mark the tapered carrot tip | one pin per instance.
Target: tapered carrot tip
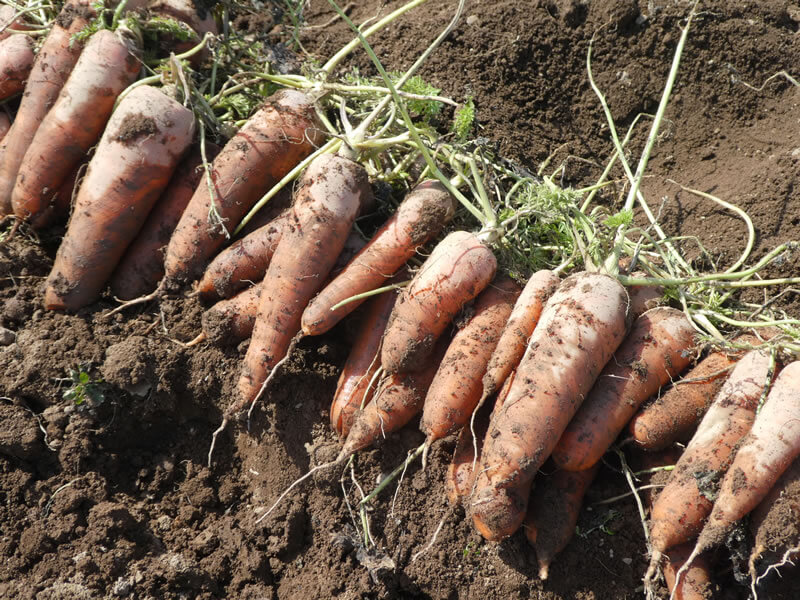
(498, 512)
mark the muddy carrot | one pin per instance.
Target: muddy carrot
(16, 61)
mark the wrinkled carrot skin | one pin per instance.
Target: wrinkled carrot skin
(361, 365)
(106, 66)
(54, 62)
(277, 137)
(458, 269)
(656, 350)
(418, 219)
(697, 583)
(398, 400)
(327, 202)
(231, 320)
(245, 260)
(765, 453)
(675, 413)
(460, 477)
(681, 508)
(457, 386)
(143, 143)
(553, 512)
(16, 61)
(142, 266)
(519, 328)
(775, 522)
(581, 326)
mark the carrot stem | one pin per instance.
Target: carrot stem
(412, 455)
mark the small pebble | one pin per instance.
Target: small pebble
(7, 337)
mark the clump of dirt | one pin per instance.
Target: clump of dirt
(134, 126)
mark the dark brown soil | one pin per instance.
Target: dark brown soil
(115, 499)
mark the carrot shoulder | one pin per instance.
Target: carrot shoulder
(656, 350)
(107, 65)
(457, 270)
(457, 387)
(418, 219)
(327, 202)
(143, 143)
(277, 137)
(54, 62)
(581, 326)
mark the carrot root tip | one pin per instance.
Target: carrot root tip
(544, 571)
(214, 435)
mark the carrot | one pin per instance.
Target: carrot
(107, 65)
(398, 400)
(697, 585)
(269, 213)
(460, 477)
(580, 328)
(457, 270)
(59, 208)
(644, 297)
(231, 320)
(134, 161)
(673, 415)
(353, 388)
(327, 202)
(193, 15)
(553, 513)
(418, 219)
(54, 62)
(16, 61)
(656, 350)
(142, 266)
(519, 328)
(679, 511)
(765, 453)
(245, 260)
(775, 523)
(278, 136)
(456, 388)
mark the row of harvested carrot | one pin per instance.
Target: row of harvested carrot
(570, 371)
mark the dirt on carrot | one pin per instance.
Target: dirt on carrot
(139, 462)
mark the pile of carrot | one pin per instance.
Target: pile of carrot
(553, 373)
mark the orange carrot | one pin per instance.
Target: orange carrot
(231, 320)
(460, 477)
(553, 513)
(277, 137)
(580, 328)
(134, 161)
(195, 15)
(398, 400)
(418, 219)
(457, 270)
(656, 350)
(765, 453)
(674, 414)
(327, 202)
(54, 62)
(59, 208)
(142, 266)
(519, 328)
(245, 260)
(697, 585)
(353, 388)
(107, 65)
(682, 507)
(16, 61)
(456, 388)
(644, 297)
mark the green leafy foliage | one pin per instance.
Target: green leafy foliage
(463, 120)
(84, 391)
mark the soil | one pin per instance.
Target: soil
(113, 498)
